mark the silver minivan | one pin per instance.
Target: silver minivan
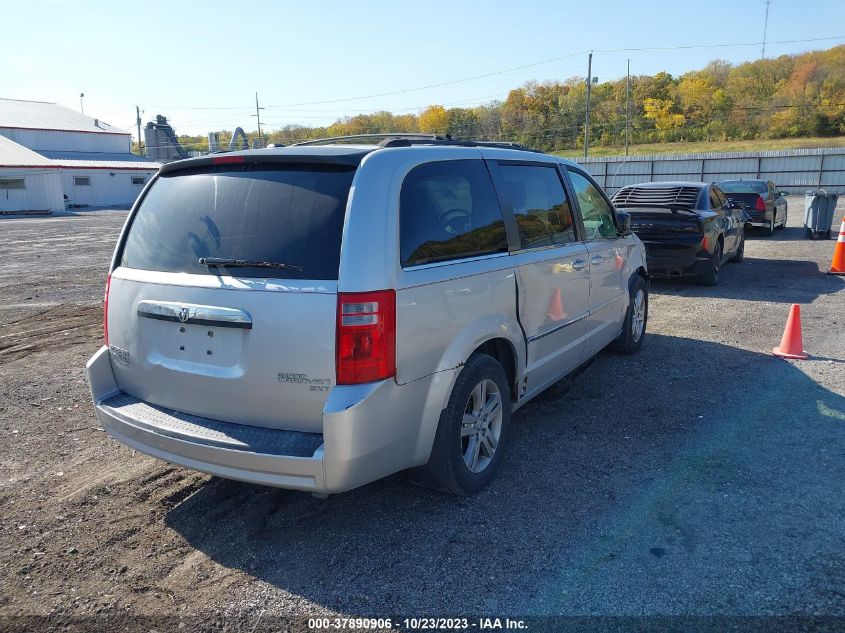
(322, 315)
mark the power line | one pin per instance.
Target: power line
(513, 69)
(727, 45)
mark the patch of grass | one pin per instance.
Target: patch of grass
(712, 146)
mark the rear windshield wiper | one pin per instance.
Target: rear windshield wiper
(245, 263)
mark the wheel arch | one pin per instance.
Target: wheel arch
(503, 351)
(493, 334)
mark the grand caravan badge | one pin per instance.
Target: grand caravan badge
(314, 384)
(120, 356)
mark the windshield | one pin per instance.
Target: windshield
(744, 186)
(290, 214)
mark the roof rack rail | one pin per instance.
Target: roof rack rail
(406, 139)
(361, 137)
(407, 142)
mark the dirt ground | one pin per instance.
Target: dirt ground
(701, 477)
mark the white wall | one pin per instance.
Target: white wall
(43, 190)
(108, 186)
(69, 141)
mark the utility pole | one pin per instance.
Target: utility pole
(138, 123)
(81, 109)
(765, 28)
(587, 110)
(627, 106)
(257, 116)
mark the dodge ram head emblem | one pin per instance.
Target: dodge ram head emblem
(184, 314)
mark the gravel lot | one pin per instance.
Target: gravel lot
(700, 477)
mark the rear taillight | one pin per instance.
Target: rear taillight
(760, 205)
(366, 336)
(106, 311)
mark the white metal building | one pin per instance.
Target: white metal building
(49, 152)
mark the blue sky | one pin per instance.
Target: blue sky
(200, 63)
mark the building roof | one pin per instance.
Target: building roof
(97, 159)
(16, 155)
(41, 115)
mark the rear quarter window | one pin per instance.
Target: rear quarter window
(290, 214)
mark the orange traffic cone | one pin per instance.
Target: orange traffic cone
(556, 312)
(791, 345)
(837, 266)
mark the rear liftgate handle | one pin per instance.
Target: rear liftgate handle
(195, 314)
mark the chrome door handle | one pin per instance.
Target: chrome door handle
(597, 259)
(578, 264)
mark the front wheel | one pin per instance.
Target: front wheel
(630, 339)
(473, 430)
(772, 224)
(783, 221)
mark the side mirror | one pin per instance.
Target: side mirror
(783, 193)
(623, 223)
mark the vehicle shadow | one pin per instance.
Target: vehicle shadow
(703, 497)
(759, 279)
(780, 234)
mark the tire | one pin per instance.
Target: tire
(740, 251)
(772, 224)
(785, 216)
(461, 460)
(711, 277)
(630, 340)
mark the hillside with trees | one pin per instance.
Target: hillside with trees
(785, 97)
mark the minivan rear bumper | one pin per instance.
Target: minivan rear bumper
(361, 441)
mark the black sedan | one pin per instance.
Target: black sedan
(765, 205)
(689, 228)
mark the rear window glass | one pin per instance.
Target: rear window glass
(286, 214)
(744, 186)
(449, 210)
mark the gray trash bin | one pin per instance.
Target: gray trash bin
(819, 206)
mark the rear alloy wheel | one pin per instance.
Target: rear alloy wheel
(472, 431)
(630, 339)
(711, 277)
(481, 426)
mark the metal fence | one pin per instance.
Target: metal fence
(793, 171)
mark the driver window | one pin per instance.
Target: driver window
(449, 210)
(596, 212)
